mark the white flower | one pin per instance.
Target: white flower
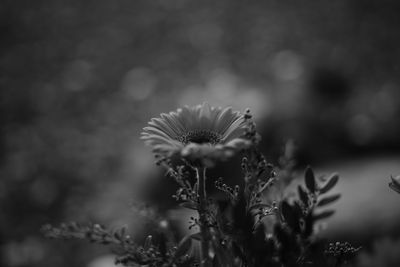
(200, 134)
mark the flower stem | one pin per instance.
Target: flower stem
(201, 179)
(205, 260)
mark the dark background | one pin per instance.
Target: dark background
(80, 79)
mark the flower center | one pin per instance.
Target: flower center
(200, 137)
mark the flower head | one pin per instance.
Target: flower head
(200, 133)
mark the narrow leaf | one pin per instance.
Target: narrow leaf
(328, 200)
(148, 242)
(183, 247)
(394, 187)
(189, 205)
(323, 215)
(260, 206)
(286, 210)
(195, 187)
(117, 234)
(332, 181)
(310, 179)
(394, 184)
(302, 195)
(196, 236)
(308, 225)
(290, 215)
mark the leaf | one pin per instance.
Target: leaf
(394, 184)
(297, 209)
(330, 184)
(394, 187)
(286, 210)
(308, 225)
(302, 195)
(195, 187)
(183, 246)
(222, 257)
(310, 179)
(189, 205)
(282, 236)
(324, 215)
(328, 200)
(148, 242)
(120, 232)
(260, 206)
(162, 243)
(196, 236)
(290, 215)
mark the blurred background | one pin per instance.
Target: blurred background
(80, 79)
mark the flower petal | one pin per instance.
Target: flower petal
(162, 125)
(199, 133)
(236, 129)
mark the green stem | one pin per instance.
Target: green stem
(205, 260)
(201, 179)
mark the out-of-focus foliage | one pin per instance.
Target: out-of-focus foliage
(78, 80)
(384, 252)
(395, 183)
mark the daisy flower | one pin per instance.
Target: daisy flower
(201, 134)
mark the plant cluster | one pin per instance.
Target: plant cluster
(247, 227)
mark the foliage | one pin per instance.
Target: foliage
(243, 229)
(395, 183)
